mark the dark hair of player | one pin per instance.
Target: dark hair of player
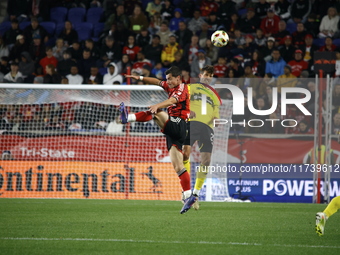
(208, 69)
(174, 71)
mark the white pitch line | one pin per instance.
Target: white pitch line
(167, 242)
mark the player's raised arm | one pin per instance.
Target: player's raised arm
(148, 80)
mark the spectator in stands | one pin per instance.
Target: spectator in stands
(329, 46)
(257, 63)
(37, 49)
(118, 16)
(111, 51)
(235, 64)
(55, 123)
(58, 49)
(220, 69)
(18, 9)
(270, 24)
(153, 7)
(69, 35)
(308, 49)
(300, 10)
(89, 44)
(146, 72)
(169, 50)
(267, 51)
(187, 7)
(26, 67)
(143, 39)
(131, 49)
(312, 25)
(299, 35)
(276, 65)
(14, 76)
(196, 22)
(154, 50)
(298, 64)
(183, 34)
(19, 46)
(336, 96)
(164, 33)
(261, 9)
(274, 126)
(191, 50)
(141, 61)
(159, 71)
(231, 78)
(213, 22)
(198, 63)
(36, 124)
(231, 24)
(304, 128)
(10, 36)
(174, 22)
(4, 52)
(248, 80)
(203, 34)
(287, 79)
(4, 65)
(123, 64)
(211, 50)
(186, 76)
(138, 20)
(208, 6)
(226, 9)
(281, 33)
(51, 77)
(112, 75)
(167, 10)
(74, 77)
(49, 59)
(86, 63)
(34, 30)
(336, 124)
(95, 77)
(281, 9)
(287, 49)
(259, 39)
(180, 61)
(250, 22)
(64, 66)
(329, 23)
(75, 51)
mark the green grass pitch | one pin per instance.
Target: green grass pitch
(63, 226)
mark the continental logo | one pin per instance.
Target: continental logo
(325, 62)
(98, 180)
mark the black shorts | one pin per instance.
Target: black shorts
(202, 133)
(175, 130)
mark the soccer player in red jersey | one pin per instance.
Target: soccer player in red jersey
(172, 124)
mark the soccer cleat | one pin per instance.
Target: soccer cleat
(320, 223)
(196, 205)
(123, 114)
(188, 202)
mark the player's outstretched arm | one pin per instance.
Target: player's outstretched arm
(148, 80)
(164, 104)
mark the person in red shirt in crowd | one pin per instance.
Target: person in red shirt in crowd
(298, 64)
(49, 59)
(131, 49)
(208, 6)
(141, 61)
(329, 46)
(191, 50)
(304, 128)
(270, 24)
(186, 75)
(299, 35)
(282, 33)
(221, 67)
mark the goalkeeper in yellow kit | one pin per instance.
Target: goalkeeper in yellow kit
(322, 217)
(200, 126)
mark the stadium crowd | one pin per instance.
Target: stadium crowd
(98, 41)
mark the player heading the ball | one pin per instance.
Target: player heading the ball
(172, 124)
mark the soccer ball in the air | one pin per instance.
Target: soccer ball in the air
(220, 38)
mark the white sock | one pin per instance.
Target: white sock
(131, 118)
(187, 194)
(196, 192)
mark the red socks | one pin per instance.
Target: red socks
(185, 180)
(143, 116)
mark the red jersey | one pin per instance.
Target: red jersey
(298, 67)
(131, 52)
(220, 70)
(181, 93)
(207, 7)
